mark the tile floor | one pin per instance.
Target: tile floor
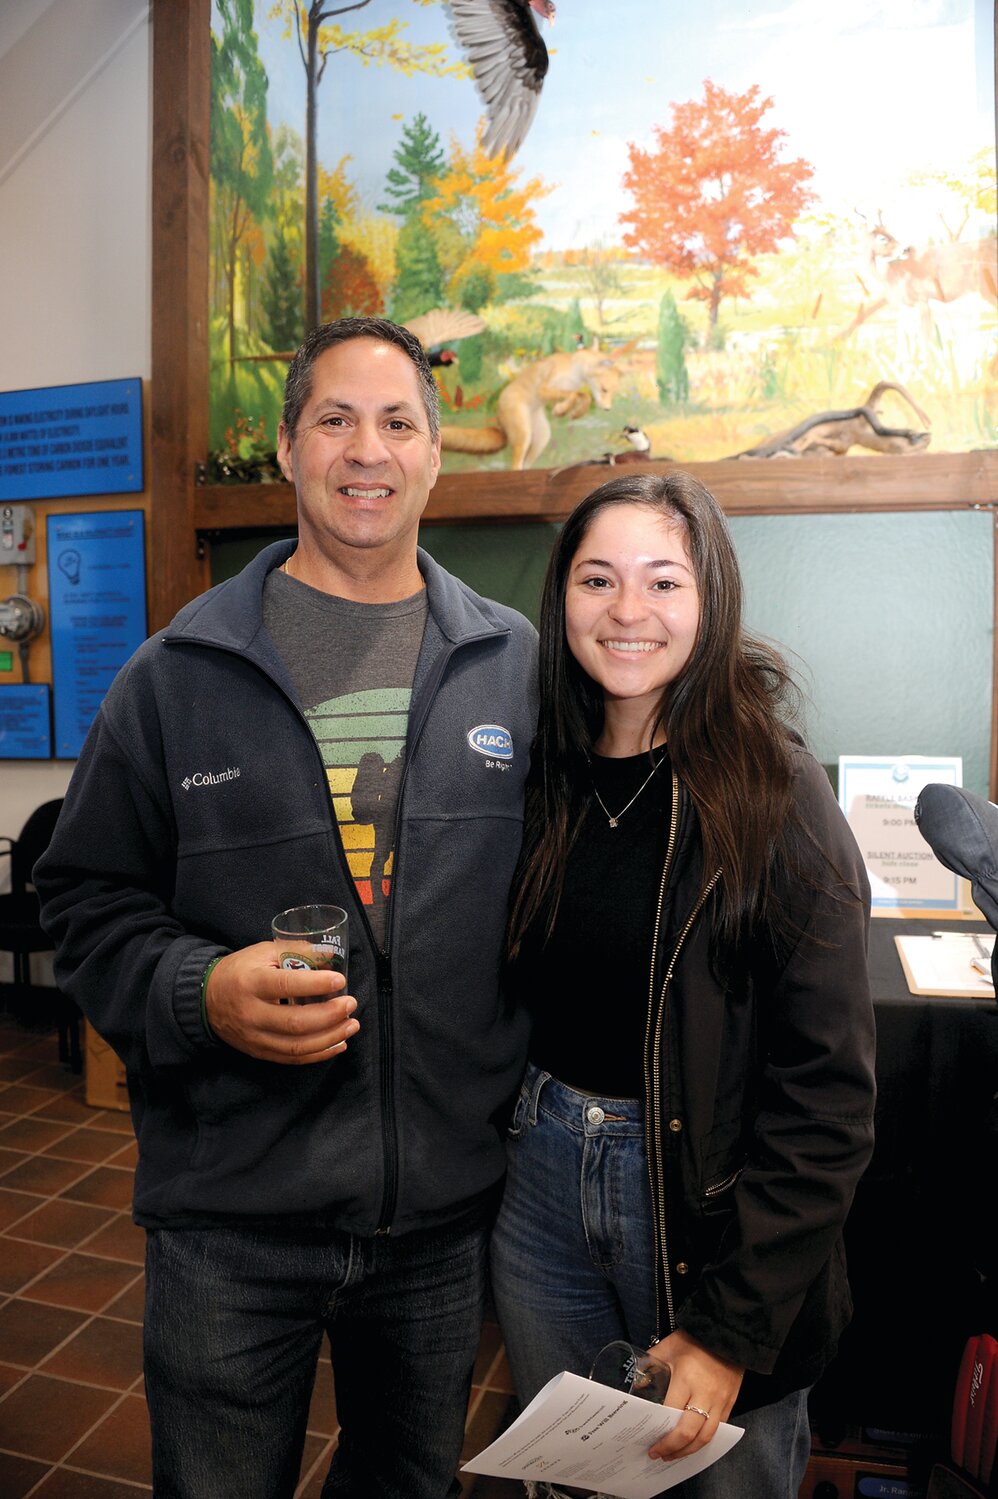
(73, 1421)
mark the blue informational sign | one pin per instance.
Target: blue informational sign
(25, 723)
(97, 612)
(71, 439)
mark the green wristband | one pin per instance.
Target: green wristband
(204, 998)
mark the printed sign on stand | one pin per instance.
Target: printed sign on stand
(878, 793)
(97, 612)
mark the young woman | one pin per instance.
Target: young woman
(689, 928)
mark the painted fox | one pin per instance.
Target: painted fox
(568, 383)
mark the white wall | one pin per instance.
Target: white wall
(75, 175)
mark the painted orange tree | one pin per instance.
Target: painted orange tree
(714, 193)
(484, 222)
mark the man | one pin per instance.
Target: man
(310, 1159)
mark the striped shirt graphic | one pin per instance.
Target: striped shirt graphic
(361, 738)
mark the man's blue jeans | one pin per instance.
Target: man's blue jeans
(234, 1321)
(573, 1261)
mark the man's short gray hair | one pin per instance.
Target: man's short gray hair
(298, 385)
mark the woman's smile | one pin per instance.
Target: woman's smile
(632, 607)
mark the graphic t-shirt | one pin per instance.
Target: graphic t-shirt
(352, 666)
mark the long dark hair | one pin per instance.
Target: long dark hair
(727, 719)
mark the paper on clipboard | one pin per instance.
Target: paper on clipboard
(577, 1431)
(953, 965)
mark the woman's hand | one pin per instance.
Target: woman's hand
(700, 1380)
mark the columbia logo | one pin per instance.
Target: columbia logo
(211, 777)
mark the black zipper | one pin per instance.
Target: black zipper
(653, 1077)
(714, 1189)
(386, 1053)
(386, 991)
(382, 956)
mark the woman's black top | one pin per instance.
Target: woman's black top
(587, 988)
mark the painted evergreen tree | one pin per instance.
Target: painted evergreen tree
(419, 159)
(670, 361)
(329, 243)
(575, 327)
(419, 286)
(281, 298)
(474, 288)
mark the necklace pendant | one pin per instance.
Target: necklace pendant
(613, 822)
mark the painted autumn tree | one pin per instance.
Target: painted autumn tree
(483, 219)
(319, 38)
(714, 193)
(971, 190)
(349, 289)
(599, 271)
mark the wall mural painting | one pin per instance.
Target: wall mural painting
(688, 232)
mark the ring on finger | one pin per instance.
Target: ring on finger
(697, 1411)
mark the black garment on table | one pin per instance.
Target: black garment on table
(587, 989)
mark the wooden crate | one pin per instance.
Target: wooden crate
(104, 1073)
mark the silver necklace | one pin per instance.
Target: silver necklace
(612, 819)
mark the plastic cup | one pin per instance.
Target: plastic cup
(312, 937)
(624, 1366)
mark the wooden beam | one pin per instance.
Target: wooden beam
(993, 768)
(181, 123)
(748, 486)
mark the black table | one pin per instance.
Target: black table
(922, 1259)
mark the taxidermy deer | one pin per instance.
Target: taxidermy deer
(567, 383)
(936, 273)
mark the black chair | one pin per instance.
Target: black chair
(21, 931)
(962, 831)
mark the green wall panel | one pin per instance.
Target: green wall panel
(891, 619)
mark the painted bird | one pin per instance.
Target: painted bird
(503, 45)
(639, 440)
(438, 329)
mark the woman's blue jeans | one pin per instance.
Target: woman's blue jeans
(233, 1324)
(573, 1260)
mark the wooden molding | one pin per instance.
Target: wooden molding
(993, 771)
(181, 123)
(743, 487)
